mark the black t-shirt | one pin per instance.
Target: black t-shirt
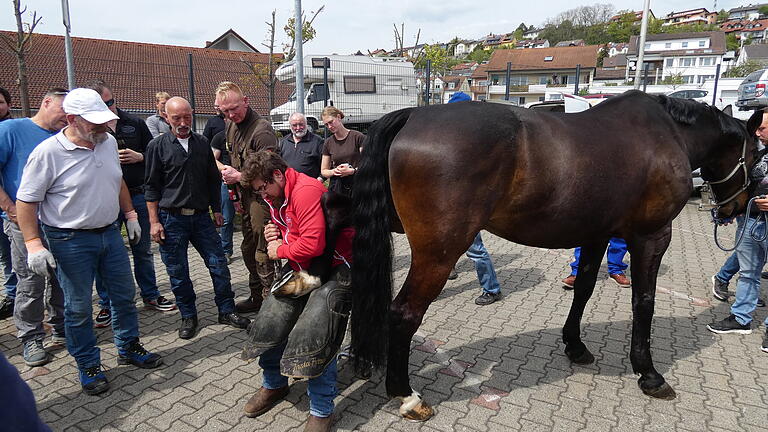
(219, 142)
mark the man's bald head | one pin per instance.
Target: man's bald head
(179, 113)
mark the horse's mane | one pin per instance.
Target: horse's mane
(688, 112)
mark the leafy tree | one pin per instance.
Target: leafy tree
(307, 32)
(745, 69)
(674, 80)
(624, 28)
(763, 10)
(731, 42)
(722, 16)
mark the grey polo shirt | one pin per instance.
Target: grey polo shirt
(77, 188)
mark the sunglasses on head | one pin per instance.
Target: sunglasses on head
(110, 102)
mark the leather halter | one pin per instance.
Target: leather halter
(742, 164)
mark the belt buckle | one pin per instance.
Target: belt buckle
(187, 212)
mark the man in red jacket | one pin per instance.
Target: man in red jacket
(286, 332)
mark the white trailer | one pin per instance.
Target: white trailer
(363, 88)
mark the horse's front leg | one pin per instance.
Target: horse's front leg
(423, 284)
(646, 253)
(589, 263)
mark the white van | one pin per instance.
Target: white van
(363, 88)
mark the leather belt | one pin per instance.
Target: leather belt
(183, 211)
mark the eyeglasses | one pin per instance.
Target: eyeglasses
(110, 102)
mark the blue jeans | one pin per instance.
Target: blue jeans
(199, 230)
(228, 212)
(751, 259)
(5, 259)
(143, 263)
(486, 274)
(80, 256)
(321, 390)
(729, 269)
(617, 248)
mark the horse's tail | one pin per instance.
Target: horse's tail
(372, 247)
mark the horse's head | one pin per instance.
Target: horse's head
(722, 147)
(727, 170)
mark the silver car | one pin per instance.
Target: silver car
(752, 93)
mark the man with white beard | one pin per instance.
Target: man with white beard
(74, 180)
(302, 150)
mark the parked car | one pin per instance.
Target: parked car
(697, 95)
(752, 91)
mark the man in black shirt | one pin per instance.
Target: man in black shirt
(214, 125)
(182, 183)
(132, 137)
(302, 150)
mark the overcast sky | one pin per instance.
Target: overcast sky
(344, 27)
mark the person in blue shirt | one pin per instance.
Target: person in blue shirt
(477, 252)
(18, 137)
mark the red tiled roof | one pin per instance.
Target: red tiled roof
(481, 72)
(136, 71)
(744, 25)
(533, 59)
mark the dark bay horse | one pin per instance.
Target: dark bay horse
(440, 174)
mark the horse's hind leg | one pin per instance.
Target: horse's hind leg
(589, 263)
(646, 253)
(425, 280)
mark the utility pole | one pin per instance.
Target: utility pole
(641, 45)
(298, 40)
(68, 44)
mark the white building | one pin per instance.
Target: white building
(693, 56)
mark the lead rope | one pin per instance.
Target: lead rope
(763, 216)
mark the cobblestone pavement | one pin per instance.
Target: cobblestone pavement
(499, 367)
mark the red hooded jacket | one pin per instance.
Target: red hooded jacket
(302, 223)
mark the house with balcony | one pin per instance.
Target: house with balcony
(465, 47)
(533, 70)
(531, 33)
(692, 16)
(455, 84)
(478, 82)
(747, 29)
(693, 56)
(532, 43)
(746, 12)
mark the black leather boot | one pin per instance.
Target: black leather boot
(188, 327)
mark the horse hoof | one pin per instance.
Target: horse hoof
(664, 391)
(584, 357)
(415, 409)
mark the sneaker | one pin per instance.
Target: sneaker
(161, 303)
(453, 274)
(487, 298)
(35, 354)
(760, 302)
(135, 354)
(765, 342)
(621, 280)
(103, 319)
(93, 380)
(228, 255)
(6, 308)
(729, 325)
(569, 281)
(720, 289)
(58, 339)
(764, 275)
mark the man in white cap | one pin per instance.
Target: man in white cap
(74, 180)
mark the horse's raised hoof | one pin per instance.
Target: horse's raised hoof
(664, 391)
(581, 357)
(413, 408)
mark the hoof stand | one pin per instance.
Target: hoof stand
(414, 408)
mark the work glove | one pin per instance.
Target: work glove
(39, 259)
(132, 227)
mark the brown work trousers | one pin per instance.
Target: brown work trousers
(261, 270)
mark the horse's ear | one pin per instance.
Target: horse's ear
(728, 110)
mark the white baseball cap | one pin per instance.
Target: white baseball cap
(87, 104)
